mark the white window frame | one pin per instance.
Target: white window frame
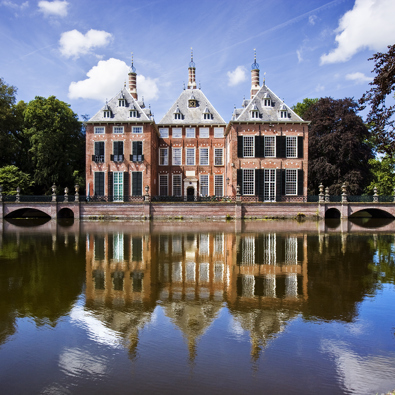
(255, 114)
(133, 114)
(267, 103)
(177, 116)
(107, 114)
(206, 158)
(269, 187)
(176, 133)
(248, 148)
(166, 185)
(291, 182)
(218, 184)
(219, 133)
(164, 133)
(100, 129)
(118, 184)
(177, 159)
(291, 146)
(190, 160)
(204, 133)
(174, 186)
(270, 149)
(118, 129)
(190, 133)
(283, 114)
(249, 182)
(204, 182)
(121, 103)
(218, 159)
(163, 159)
(137, 129)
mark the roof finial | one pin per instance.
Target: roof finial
(255, 65)
(124, 84)
(264, 78)
(132, 68)
(199, 85)
(183, 85)
(192, 63)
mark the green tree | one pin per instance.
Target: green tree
(383, 174)
(11, 178)
(338, 148)
(56, 141)
(381, 117)
(302, 107)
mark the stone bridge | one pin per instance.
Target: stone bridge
(197, 210)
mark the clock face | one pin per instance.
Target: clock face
(192, 103)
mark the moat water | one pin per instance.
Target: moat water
(273, 307)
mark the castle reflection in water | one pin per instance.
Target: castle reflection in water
(262, 278)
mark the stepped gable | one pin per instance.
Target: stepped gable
(122, 113)
(192, 115)
(266, 113)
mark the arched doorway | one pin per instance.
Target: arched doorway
(190, 194)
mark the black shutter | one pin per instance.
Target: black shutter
(99, 148)
(280, 146)
(300, 182)
(118, 148)
(126, 184)
(93, 158)
(134, 148)
(240, 146)
(99, 183)
(259, 182)
(300, 147)
(280, 249)
(240, 180)
(112, 158)
(139, 147)
(110, 185)
(283, 181)
(137, 189)
(259, 250)
(258, 153)
(279, 190)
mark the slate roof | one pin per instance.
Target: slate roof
(266, 113)
(192, 115)
(122, 114)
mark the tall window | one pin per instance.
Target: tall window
(203, 157)
(270, 146)
(99, 152)
(177, 156)
(117, 129)
(118, 186)
(291, 178)
(204, 184)
(164, 133)
(163, 156)
(137, 183)
(137, 151)
(99, 183)
(99, 129)
(218, 133)
(269, 185)
(291, 147)
(177, 185)
(118, 151)
(190, 154)
(248, 181)
(204, 246)
(163, 184)
(122, 102)
(218, 156)
(190, 133)
(248, 146)
(176, 133)
(218, 185)
(137, 129)
(204, 133)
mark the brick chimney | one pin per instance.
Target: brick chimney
(191, 73)
(133, 81)
(254, 77)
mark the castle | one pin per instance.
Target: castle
(192, 152)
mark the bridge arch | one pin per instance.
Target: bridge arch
(65, 212)
(27, 212)
(371, 213)
(332, 213)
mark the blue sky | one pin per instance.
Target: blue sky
(80, 51)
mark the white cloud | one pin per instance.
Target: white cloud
(319, 88)
(107, 78)
(53, 8)
(312, 19)
(74, 43)
(15, 6)
(358, 77)
(237, 76)
(370, 24)
(299, 53)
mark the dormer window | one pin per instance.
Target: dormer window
(255, 114)
(267, 101)
(177, 116)
(192, 103)
(122, 103)
(107, 114)
(177, 113)
(133, 114)
(283, 114)
(207, 114)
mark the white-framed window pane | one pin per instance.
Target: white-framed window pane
(291, 146)
(163, 156)
(118, 186)
(218, 133)
(218, 156)
(270, 146)
(164, 133)
(203, 157)
(99, 129)
(291, 181)
(248, 250)
(163, 184)
(204, 184)
(118, 246)
(204, 133)
(218, 185)
(176, 133)
(269, 249)
(137, 129)
(248, 146)
(269, 185)
(291, 251)
(177, 156)
(133, 114)
(117, 130)
(190, 155)
(177, 185)
(248, 181)
(190, 133)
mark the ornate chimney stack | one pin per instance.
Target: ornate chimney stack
(191, 73)
(254, 77)
(133, 81)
